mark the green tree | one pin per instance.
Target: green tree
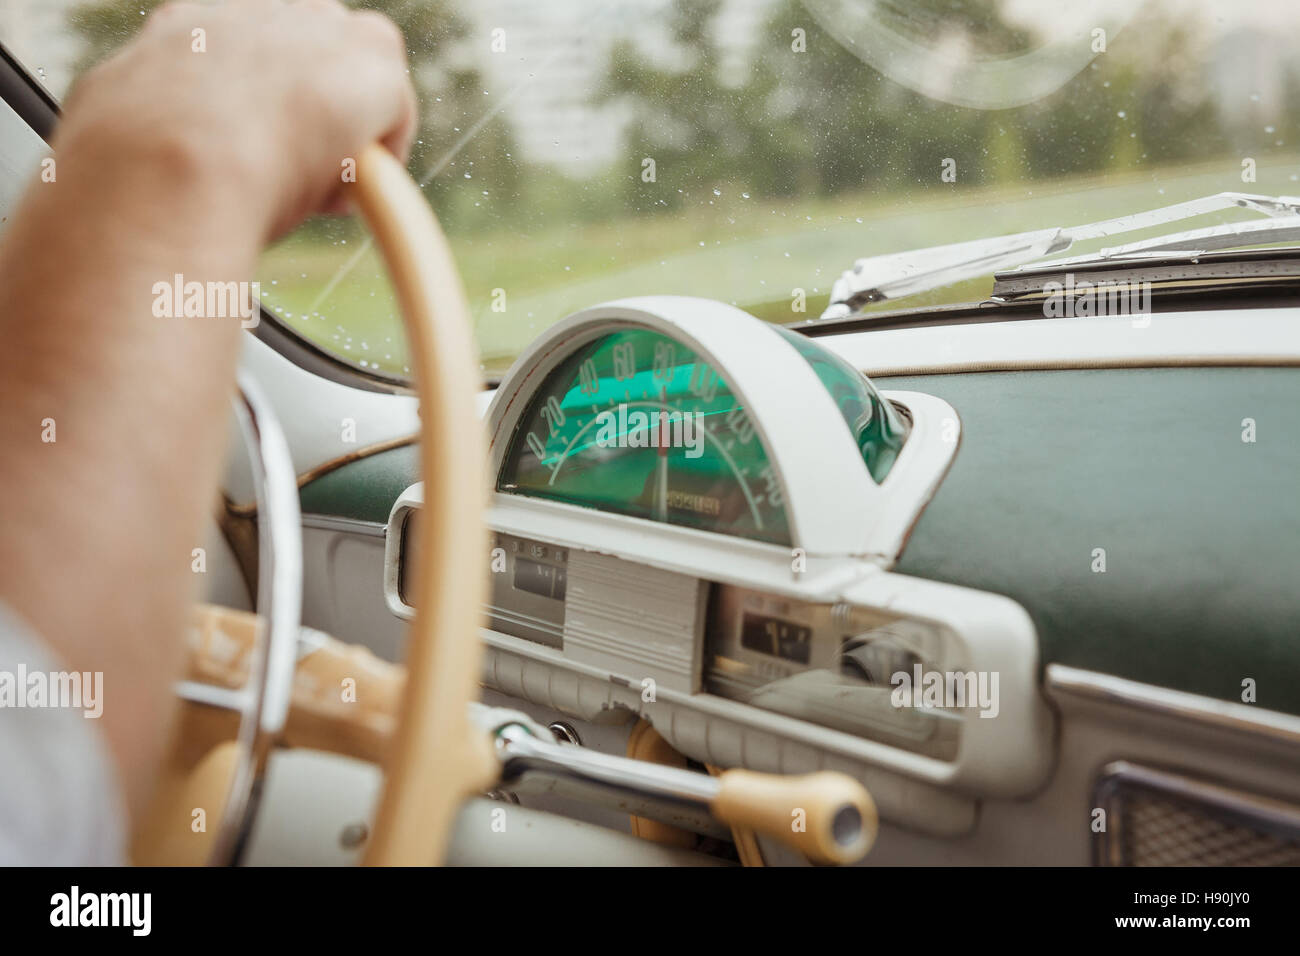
(809, 117)
(699, 130)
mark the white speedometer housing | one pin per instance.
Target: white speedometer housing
(811, 450)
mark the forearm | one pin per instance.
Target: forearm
(170, 161)
(99, 525)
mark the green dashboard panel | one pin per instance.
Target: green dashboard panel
(1200, 530)
(365, 489)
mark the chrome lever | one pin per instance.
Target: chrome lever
(827, 816)
(522, 752)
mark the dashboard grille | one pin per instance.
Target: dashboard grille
(1156, 818)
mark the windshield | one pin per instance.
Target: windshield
(750, 150)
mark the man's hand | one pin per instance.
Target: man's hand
(268, 98)
(176, 156)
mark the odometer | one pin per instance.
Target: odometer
(771, 635)
(635, 423)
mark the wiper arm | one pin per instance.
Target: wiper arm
(902, 274)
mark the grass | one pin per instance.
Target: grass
(744, 250)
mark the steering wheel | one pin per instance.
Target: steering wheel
(434, 758)
(417, 721)
(437, 757)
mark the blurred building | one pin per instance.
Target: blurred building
(556, 54)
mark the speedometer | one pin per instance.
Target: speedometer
(636, 423)
(694, 415)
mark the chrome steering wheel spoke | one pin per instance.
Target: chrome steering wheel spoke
(263, 702)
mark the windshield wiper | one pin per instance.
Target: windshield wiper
(900, 274)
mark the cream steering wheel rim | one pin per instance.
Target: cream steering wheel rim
(437, 757)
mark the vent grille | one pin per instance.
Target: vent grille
(1157, 818)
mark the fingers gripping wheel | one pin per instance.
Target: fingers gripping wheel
(437, 758)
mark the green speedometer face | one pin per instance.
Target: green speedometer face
(634, 423)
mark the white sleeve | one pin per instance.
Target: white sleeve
(60, 800)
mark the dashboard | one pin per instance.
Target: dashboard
(702, 535)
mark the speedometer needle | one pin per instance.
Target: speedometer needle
(661, 498)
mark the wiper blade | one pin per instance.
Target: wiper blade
(1208, 239)
(900, 274)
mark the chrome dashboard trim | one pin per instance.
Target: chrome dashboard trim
(372, 529)
(1010, 756)
(1175, 704)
